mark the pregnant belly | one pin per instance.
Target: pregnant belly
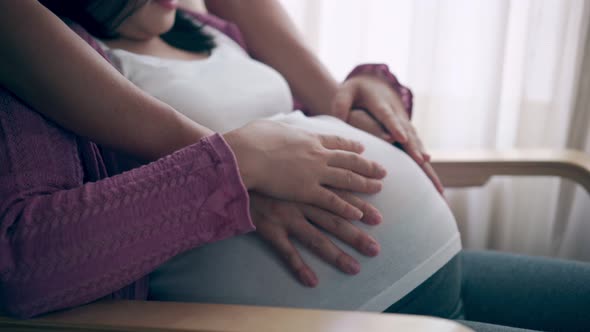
(418, 236)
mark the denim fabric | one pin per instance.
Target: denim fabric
(491, 291)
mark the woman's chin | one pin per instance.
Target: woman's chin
(160, 28)
(148, 25)
(167, 4)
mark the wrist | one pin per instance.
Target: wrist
(343, 114)
(181, 132)
(233, 140)
(318, 95)
(190, 132)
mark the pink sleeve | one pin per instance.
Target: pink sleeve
(379, 70)
(64, 243)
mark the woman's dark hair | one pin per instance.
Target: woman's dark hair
(102, 17)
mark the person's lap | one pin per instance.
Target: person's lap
(500, 292)
(489, 291)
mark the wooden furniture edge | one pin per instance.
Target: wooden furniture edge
(135, 316)
(456, 169)
(475, 168)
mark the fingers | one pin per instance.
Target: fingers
(334, 142)
(427, 167)
(389, 112)
(328, 200)
(414, 147)
(277, 221)
(321, 245)
(279, 240)
(343, 230)
(383, 112)
(392, 119)
(342, 102)
(425, 156)
(371, 216)
(357, 164)
(364, 121)
(348, 180)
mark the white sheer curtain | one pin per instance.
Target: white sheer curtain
(485, 74)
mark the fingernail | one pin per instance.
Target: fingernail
(360, 146)
(372, 217)
(358, 215)
(309, 279)
(372, 249)
(377, 186)
(377, 217)
(387, 137)
(404, 137)
(382, 171)
(352, 267)
(419, 160)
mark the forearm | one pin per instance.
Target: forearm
(63, 245)
(57, 73)
(272, 38)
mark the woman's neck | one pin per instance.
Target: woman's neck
(142, 46)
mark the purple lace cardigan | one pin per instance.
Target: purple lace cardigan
(74, 230)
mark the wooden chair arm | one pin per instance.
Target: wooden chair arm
(456, 169)
(135, 316)
(475, 168)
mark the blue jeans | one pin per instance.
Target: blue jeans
(491, 291)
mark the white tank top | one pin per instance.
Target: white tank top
(227, 90)
(222, 92)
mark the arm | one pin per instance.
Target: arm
(87, 96)
(64, 243)
(39, 64)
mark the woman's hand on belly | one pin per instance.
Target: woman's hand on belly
(364, 121)
(285, 162)
(381, 113)
(278, 221)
